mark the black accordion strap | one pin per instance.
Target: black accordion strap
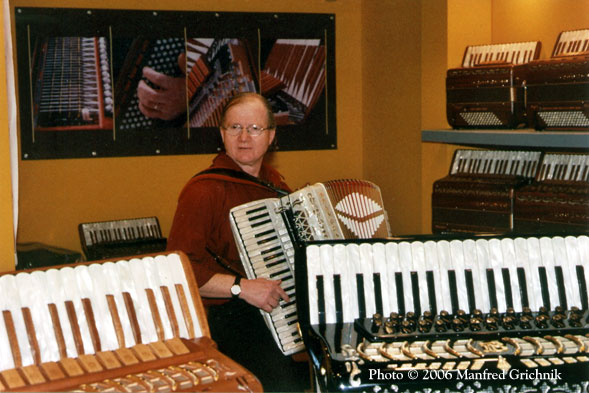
(243, 176)
(222, 262)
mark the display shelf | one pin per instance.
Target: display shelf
(522, 138)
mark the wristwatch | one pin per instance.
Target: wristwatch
(236, 288)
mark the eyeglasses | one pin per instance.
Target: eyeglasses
(252, 129)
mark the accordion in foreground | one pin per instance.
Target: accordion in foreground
(125, 325)
(558, 88)
(489, 89)
(477, 195)
(121, 238)
(264, 231)
(424, 313)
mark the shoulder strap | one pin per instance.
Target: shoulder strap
(242, 176)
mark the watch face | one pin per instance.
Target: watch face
(235, 289)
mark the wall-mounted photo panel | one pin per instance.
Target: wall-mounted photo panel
(112, 83)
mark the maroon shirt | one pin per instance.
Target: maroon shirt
(202, 218)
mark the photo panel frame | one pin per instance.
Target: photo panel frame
(115, 83)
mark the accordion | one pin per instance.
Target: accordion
(558, 199)
(450, 314)
(478, 193)
(121, 238)
(489, 89)
(264, 231)
(558, 88)
(126, 325)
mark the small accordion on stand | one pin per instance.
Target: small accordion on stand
(558, 199)
(120, 238)
(264, 231)
(450, 314)
(477, 195)
(558, 88)
(488, 90)
(129, 325)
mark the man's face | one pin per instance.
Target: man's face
(246, 150)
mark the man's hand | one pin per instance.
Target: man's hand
(263, 293)
(167, 101)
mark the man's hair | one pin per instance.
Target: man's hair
(246, 96)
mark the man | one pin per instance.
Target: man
(201, 229)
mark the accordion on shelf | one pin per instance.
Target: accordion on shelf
(438, 313)
(120, 238)
(558, 199)
(558, 88)
(488, 89)
(478, 193)
(133, 325)
(72, 84)
(264, 232)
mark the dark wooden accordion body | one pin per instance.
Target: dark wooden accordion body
(485, 96)
(558, 93)
(488, 90)
(477, 195)
(448, 314)
(558, 88)
(127, 325)
(558, 200)
(535, 193)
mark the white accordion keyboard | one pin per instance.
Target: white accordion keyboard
(94, 307)
(356, 280)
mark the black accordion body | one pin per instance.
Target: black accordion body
(120, 238)
(447, 314)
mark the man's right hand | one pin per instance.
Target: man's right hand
(263, 293)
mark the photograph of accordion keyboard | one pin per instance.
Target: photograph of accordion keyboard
(126, 325)
(264, 231)
(454, 309)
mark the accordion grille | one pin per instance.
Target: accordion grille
(359, 208)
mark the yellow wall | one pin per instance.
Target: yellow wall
(391, 107)
(57, 195)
